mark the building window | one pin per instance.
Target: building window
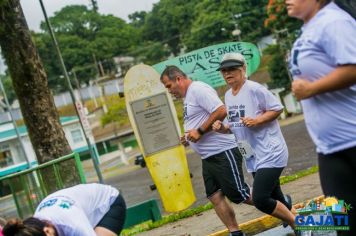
(77, 136)
(5, 156)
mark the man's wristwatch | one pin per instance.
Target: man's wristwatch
(201, 131)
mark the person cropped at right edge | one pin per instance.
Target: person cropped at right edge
(323, 66)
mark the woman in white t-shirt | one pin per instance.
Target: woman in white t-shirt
(323, 66)
(252, 113)
(85, 209)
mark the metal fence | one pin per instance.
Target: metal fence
(29, 187)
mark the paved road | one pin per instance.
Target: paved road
(135, 184)
(289, 232)
(278, 231)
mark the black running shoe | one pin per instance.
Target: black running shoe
(288, 199)
(237, 233)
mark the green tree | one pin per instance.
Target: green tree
(30, 84)
(9, 89)
(117, 113)
(277, 68)
(214, 22)
(168, 21)
(137, 19)
(151, 52)
(210, 19)
(278, 18)
(285, 30)
(177, 24)
(83, 34)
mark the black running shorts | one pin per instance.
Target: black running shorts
(114, 219)
(223, 172)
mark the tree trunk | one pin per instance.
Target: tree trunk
(30, 84)
(36, 101)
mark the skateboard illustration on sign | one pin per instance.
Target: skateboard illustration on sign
(154, 120)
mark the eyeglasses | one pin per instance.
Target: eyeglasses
(229, 69)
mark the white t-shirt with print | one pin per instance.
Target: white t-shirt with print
(267, 142)
(77, 210)
(200, 101)
(327, 41)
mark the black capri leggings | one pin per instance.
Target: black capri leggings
(337, 177)
(267, 189)
(114, 219)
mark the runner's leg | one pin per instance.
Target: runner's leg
(265, 182)
(337, 177)
(113, 221)
(224, 210)
(231, 178)
(213, 167)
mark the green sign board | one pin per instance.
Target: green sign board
(201, 64)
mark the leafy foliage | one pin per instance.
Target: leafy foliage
(10, 92)
(150, 37)
(86, 36)
(278, 18)
(215, 20)
(277, 68)
(285, 29)
(117, 111)
(169, 20)
(150, 52)
(137, 18)
(81, 35)
(30, 84)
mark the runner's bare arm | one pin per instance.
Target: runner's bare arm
(194, 135)
(218, 114)
(266, 117)
(341, 77)
(220, 127)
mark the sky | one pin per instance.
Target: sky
(119, 8)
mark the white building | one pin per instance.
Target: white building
(12, 157)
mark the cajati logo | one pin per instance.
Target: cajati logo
(327, 214)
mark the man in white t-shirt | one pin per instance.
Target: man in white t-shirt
(221, 159)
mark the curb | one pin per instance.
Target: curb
(260, 224)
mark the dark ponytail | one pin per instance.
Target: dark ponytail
(324, 2)
(29, 227)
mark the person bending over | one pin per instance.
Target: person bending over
(85, 209)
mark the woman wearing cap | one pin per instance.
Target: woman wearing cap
(323, 66)
(85, 209)
(252, 113)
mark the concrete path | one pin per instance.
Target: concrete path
(207, 223)
(277, 231)
(135, 181)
